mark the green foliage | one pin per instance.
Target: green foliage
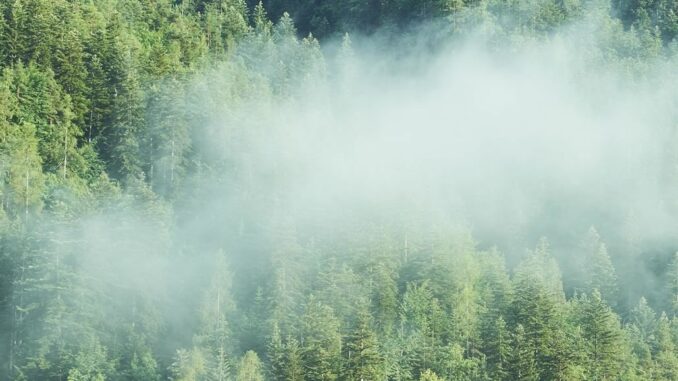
(321, 348)
(605, 347)
(601, 275)
(276, 355)
(429, 375)
(362, 359)
(105, 139)
(187, 366)
(522, 364)
(250, 368)
(498, 349)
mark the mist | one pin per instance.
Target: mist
(515, 143)
(289, 187)
(507, 143)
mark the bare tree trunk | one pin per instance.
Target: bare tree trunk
(65, 149)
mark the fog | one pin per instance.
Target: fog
(512, 143)
(508, 140)
(538, 140)
(462, 191)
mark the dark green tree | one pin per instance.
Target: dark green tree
(603, 334)
(362, 358)
(522, 362)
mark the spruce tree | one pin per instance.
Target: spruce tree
(666, 358)
(362, 356)
(600, 273)
(21, 178)
(321, 342)
(603, 333)
(497, 349)
(294, 366)
(522, 365)
(276, 355)
(250, 368)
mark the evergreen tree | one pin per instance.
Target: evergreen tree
(250, 368)
(429, 375)
(665, 351)
(214, 340)
(276, 355)
(187, 366)
(362, 358)
(21, 178)
(294, 367)
(321, 342)
(497, 349)
(69, 58)
(42, 103)
(644, 319)
(422, 317)
(537, 307)
(454, 365)
(166, 140)
(672, 276)
(604, 336)
(126, 125)
(522, 362)
(181, 102)
(262, 25)
(601, 274)
(385, 296)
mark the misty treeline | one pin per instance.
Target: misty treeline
(152, 225)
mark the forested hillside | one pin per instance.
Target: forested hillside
(435, 190)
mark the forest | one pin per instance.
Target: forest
(359, 190)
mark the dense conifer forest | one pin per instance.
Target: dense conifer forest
(359, 190)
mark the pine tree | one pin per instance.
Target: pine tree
(603, 333)
(276, 355)
(601, 274)
(42, 103)
(143, 367)
(15, 42)
(453, 364)
(294, 367)
(664, 350)
(69, 58)
(522, 362)
(285, 287)
(287, 47)
(126, 125)
(400, 357)
(235, 24)
(166, 140)
(604, 277)
(99, 97)
(21, 178)
(672, 286)
(537, 307)
(214, 338)
(540, 268)
(385, 296)
(429, 375)
(644, 319)
(497, 349)
(285, 31)
(312, 63)
(187, 366)
(340, 287)
(321, 348)
(250, 368)
(262, 25)
(422, 322)
(362, 358)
